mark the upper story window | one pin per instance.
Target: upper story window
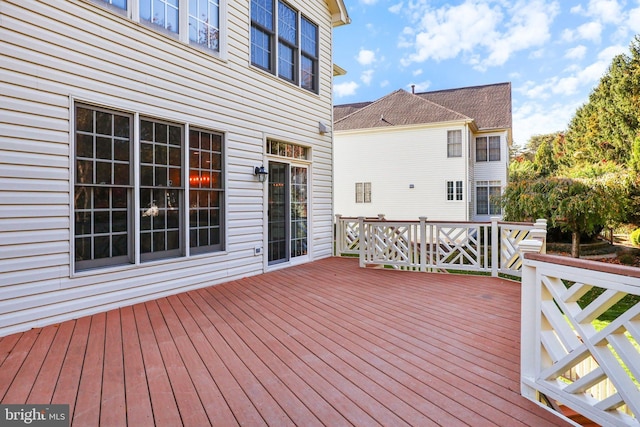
(163, 13)
(203, 17)
(488, 149)
(284, 43)
(204, 23)
(454, 143)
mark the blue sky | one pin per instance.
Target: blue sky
(552, 52)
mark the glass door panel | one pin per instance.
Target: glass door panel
(298, 211)
(278, 213)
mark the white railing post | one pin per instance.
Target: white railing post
(495, 246)
(339, 236)
(423, 243)
(529, 320)
(363, 240)
(539, 232)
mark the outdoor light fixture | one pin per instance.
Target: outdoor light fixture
(261, 173)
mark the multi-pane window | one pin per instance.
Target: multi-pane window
(454, 190)
(309, 55)
(299, 213)
(488, 198)
(206, 191)
(163, 13)
(204, 23)
(454, 143)
(487, 148)
(287, 42)
(105, 194)
(204, 18)
(161, 189)
(295, 55)
(363, 192)
(285, 149)
(103, 187)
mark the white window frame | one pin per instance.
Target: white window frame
(454, 191)
(454, 143)
(132, 11)
(363, 192)
(487, 151)
(489, 186)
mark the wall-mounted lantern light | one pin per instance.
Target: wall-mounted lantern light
(261, 173)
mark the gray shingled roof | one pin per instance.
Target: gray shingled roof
(397, 108)
(489, 106)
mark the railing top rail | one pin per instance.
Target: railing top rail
(604, 267)
(527, 224)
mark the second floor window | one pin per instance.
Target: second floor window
(284, 43)
(203, 18)
(488, 149)
(454, 143)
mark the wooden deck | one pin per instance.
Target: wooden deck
(326, 343)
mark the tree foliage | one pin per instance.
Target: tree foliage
(589, 176)
(607, 125)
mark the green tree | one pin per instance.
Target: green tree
(605, 127)
(581, 202)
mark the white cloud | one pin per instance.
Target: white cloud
(366, 77)
(396, 8)
(345, 89)
(577, 52)
(533, 118)
(634, 20)
(366, 57)
(369, 2)
(590, 31)
(384, 83)
(451, 31)
(417, 72)
(608, 11)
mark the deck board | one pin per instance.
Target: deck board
(325, 343)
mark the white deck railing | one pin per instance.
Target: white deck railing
(592, 368)
(423, 245)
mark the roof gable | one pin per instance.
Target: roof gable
(399, 108)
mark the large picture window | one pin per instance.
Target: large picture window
(105, 195)
(284, 43)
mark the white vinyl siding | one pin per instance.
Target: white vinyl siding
(409, 180)
(56, 54)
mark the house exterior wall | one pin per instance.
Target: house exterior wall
(393, 159)
(55, 53)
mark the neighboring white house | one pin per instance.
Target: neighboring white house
(130, 136)
(441, 154)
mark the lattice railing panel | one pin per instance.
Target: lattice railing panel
(589, 330)
(510, 238)
(458, 247)
(393, 244)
